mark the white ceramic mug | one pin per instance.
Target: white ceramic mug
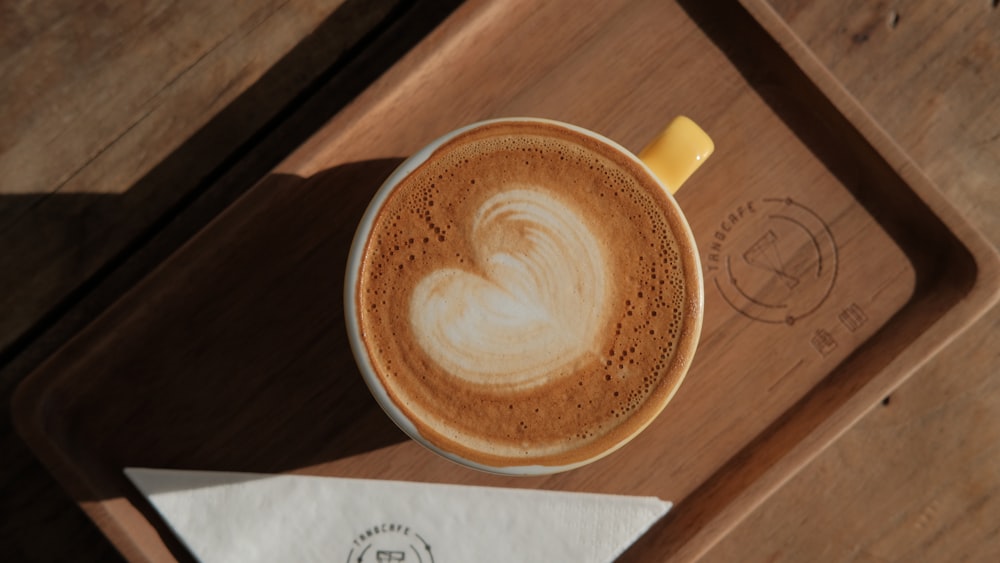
(671, 158)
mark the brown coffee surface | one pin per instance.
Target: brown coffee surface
(524, 299)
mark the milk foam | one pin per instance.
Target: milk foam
(531, 305)
(524, 297)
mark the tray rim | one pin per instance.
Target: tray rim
(983, 294)
(27, 404)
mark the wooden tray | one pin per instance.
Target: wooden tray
(833, 267)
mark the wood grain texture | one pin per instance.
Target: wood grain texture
(93, 96)
(247, 313)
(211, 167)
(918, 479)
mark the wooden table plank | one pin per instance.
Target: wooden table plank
(919, 478)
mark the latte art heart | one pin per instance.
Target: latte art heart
(533, 302)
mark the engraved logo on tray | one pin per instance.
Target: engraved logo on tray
(773, 260)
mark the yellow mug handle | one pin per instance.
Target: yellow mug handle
(677, 152)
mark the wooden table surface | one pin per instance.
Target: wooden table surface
(128, 126)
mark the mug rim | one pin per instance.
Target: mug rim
(355, 261)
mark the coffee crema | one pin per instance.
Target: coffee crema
(523, 298)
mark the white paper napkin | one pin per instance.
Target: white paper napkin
(251, 517)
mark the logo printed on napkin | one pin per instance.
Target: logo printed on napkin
(253, 517)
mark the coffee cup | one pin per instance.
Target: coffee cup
(524, 296)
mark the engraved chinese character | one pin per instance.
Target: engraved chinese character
(852, 317)
(823, 342)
